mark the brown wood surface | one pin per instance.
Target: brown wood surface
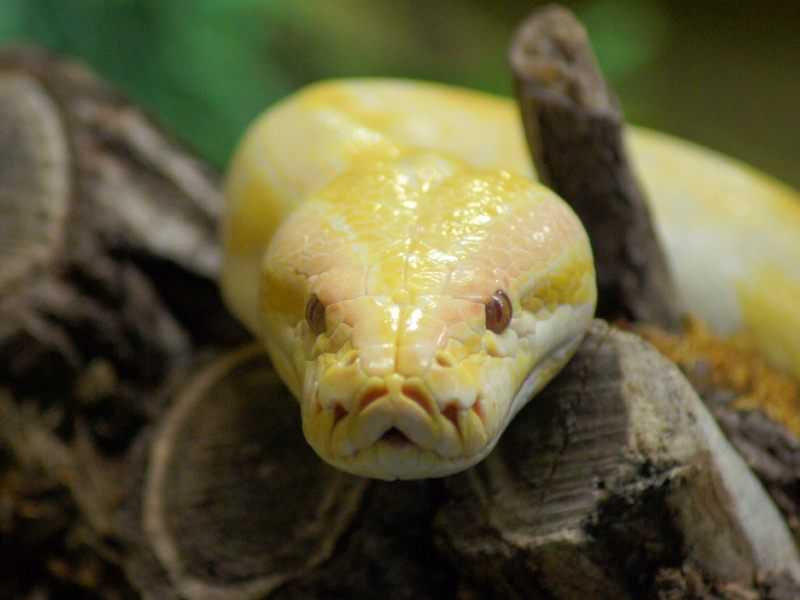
(574, 125)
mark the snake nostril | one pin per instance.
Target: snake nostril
(371, 396)
(339, 413)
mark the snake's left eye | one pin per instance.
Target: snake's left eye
(315, 315)
(498, 312)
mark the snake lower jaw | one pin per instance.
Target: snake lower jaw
(395, 456)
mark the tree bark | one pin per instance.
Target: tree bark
(107, 257)
(574, 128)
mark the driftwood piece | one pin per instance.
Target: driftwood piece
(615, 472)
(102, 213)
(574, 128)
(233, 504)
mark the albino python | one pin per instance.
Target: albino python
(415, 287)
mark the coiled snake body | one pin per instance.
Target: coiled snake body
(413, 284)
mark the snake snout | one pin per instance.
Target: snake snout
(395, 413)
(400, 425)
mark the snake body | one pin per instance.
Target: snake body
(414, 286)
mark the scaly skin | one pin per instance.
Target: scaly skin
(404, 243)
(732, 238)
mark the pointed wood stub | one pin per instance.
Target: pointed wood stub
(574, 127)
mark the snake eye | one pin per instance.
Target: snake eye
(315, 315)
(498, 312)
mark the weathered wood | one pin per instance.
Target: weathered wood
(107, 254)
(235, 502)
(615, 472)
(574, 128)
(112, 203)
(734, 381)
(102, 215)
(614, 483)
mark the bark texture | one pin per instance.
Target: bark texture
(107, 257)
(574, 129)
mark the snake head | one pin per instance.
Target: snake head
(415, 304)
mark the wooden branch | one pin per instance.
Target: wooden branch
(574, 129)
(239, 532)
(614, 483)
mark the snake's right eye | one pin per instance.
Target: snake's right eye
(498, 312)
(315, 315)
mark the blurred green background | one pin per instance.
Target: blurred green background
(723, 73)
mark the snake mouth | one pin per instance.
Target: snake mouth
(394, 455)
(408, 414)
(395, 437)
(395, 428)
